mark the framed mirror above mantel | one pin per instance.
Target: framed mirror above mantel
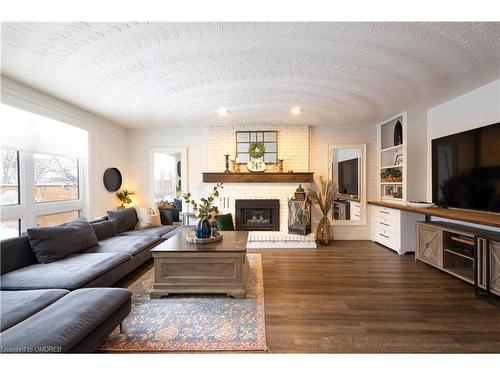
(347, 169)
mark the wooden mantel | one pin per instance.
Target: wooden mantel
(247, 177)
(484, 218)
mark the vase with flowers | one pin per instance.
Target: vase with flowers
(202, 209)
(324, 197)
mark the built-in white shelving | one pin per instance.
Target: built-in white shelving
(388, 159)
(392, 148)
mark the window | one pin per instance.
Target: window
(43, 171)
(244, 140)
(9, 177)
(55, 178)
(10, 228)
(42, 190)
(56, 219)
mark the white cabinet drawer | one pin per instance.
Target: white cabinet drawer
(382, 227)
(387, 216)
(386, 239)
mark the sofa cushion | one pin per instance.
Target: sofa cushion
(147, 218)
(124, 220)
(66, 322)
(16, 253)
(124, 244)
(21, 304)
(104, 229)
(70, 273)
(177, 203)
(53, 243)
(225, 222)
(151, 232)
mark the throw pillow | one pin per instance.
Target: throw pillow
(225, 222)
(124, 220)
(177, 203)
(148, 217)
(164, 204)
(104, 229)
(54, 243)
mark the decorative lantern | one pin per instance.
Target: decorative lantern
(299, 213)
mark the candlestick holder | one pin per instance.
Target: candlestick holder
(227, 164)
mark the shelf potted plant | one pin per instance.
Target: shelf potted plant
(391, 175)
(203, 211)
(125, 197)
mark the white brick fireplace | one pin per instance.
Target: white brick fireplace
(293, 148)
(231, 192)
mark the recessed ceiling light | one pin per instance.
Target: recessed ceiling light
(223, 111)
(296, 110)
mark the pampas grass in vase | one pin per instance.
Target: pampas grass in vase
(324, 198)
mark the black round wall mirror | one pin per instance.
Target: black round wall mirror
(179, 168)
(112, 179)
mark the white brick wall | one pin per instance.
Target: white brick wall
(139, 143)
(293, 145)
(206, 148)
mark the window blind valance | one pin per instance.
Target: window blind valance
(29, 132)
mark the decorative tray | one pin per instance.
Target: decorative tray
(191, 238)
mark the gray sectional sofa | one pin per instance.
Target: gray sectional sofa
(56, 299)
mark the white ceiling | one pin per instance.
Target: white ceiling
(180, 74)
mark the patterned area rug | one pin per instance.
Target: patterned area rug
(193, 323)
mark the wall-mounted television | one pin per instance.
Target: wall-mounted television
(348, 176)
(466, 169)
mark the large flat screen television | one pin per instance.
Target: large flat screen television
(348, 176)
(466, 169)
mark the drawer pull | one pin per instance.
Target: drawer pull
(384, 212)
(387, 225)
(383, 235)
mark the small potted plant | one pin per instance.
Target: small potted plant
(125, 197)
(203, 211)
(391, 175)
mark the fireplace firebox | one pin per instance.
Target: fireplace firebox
(258, 214)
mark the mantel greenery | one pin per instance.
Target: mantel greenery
(256, 150)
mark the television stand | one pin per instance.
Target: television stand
(470, 254)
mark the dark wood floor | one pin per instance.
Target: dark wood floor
(357, 296)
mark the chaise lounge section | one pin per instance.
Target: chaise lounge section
(59, 321)
(55, 299)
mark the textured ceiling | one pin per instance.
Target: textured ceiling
(180, 74)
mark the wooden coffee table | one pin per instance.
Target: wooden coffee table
(218, 267)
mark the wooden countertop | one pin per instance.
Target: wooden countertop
(483, 218)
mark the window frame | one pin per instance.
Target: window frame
(249, 142)
(18, 181)
(28, 209)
